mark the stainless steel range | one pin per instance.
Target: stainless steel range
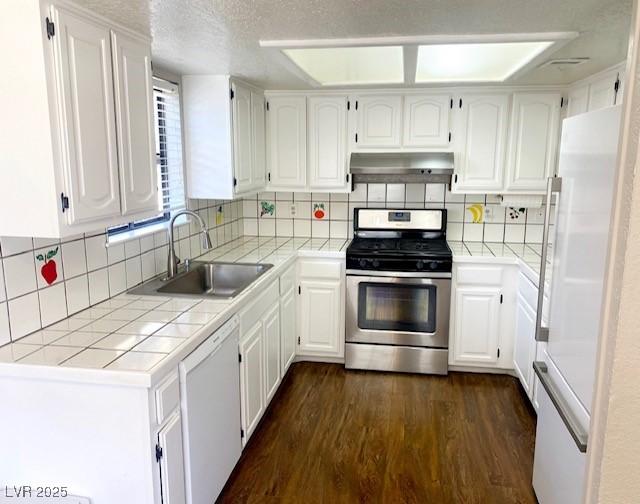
(398, 291)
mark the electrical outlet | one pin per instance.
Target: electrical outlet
(488, 213)
(293, 209)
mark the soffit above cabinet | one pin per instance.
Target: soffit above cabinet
(214, 37)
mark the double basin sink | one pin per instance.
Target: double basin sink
(217, 280)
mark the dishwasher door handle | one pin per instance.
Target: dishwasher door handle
(580, 437)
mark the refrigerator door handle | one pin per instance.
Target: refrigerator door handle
(554, 185)
(580, 437)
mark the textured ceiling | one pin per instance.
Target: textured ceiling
(221, 36)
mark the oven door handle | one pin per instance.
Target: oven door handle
(398, 274)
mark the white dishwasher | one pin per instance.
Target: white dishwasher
(210, 404)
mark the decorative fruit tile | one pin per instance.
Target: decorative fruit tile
(319, 211)
(267, 209)
(49, 266)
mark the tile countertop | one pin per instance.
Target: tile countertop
(528, 256)
(137, 340)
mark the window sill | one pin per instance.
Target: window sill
(141, 232)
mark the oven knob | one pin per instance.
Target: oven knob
(433, 265)
(376, 263)
(419, 265)
(363, 263)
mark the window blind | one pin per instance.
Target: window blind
(169, 145)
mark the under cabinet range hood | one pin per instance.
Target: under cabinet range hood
(402, 167)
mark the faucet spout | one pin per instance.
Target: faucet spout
(172, 259)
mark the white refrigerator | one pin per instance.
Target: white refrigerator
(587, 173)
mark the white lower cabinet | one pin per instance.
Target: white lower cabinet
(287, 329)
(321, 307)
(476, 325)
(526, 349)
(271, 328)
(481, 316)
(171, 461)
(252, 379)
(260, 357)
(524, 344)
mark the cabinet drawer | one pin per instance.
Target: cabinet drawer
(479, 275)
(321, 269)
(288, 280)
(167, 397)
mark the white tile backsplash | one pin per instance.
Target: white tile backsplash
(339, 210)
(89, 272)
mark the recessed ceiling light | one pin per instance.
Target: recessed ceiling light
(481, 62)
(342, 66)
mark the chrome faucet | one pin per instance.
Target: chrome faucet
(173, 260)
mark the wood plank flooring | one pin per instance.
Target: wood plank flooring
(336, 436)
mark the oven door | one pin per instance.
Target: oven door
(384, 308)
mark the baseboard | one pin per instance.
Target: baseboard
(319, 358)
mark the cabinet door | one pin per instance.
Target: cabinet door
(481, 142)
(172, 461)
(320, 321)
(258, 165)
(287, 142)
(578, 101)
(602, 93)
(83, 64)
(525, 344)
(477, 325)
(327, 141)
(426, 120)
(136, 137)
(378, 121)
(242, 138)
(533, 141)
(288, 329)
(252, 379)
(271, 324)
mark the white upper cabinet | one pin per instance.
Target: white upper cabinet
(259, 160)
(578, 101)
(533, 142)
(136, 140)
(242, 138)
(426, 120)
(83, 62)
(378, 121)
(223, 137)
(287, 142)
(603, 92)
(481, 139)
(327, 120)
(81, 91)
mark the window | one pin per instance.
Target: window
(166, 99)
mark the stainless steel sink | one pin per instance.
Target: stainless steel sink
(207, 279)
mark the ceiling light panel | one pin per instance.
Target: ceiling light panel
(342, 66)
(485, 62)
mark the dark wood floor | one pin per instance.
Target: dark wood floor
(334, 436)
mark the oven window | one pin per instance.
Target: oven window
(396, 307)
